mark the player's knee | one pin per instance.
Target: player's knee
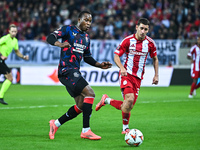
(129, 97)
(90, 93)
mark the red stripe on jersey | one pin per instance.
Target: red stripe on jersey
(195, 54)
(136, 52)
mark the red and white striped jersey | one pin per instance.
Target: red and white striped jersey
(195, 54)
(135, 54)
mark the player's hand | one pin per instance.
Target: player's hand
(3, 57)
(155, 80)
(26, 57)
(105, 65)
(123, 72)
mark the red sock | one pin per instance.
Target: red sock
(126, 117)
(192, 88)
(197, 86)
(115, 103)
(77, 109)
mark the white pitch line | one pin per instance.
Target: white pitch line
(144, 102)
(27, 107)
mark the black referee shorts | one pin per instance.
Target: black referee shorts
(3, 67)
(73, 81)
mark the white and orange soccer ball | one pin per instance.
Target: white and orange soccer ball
(134, 137)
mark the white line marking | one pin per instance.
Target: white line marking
(27, 107)
(144, 102)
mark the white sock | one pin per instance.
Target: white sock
(107, 100)
(85, 129)
(125, 127)
(57, 123)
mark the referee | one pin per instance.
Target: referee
(7, 44)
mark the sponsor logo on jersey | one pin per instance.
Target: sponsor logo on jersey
(74, 34)
(137, 53)
(79, 47)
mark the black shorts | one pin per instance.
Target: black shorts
(73, 81)
(3, 67)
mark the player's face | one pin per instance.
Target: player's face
(85, 22)
(13, 32)
(141, 31)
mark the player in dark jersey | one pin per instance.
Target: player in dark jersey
(75, 46)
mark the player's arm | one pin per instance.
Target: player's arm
(52, 39)
(90, 60)
(155, 65)
(19, 54)
(119, 64)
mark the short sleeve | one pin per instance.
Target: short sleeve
(62, 31)
(3, 40)
(123, 46)
(16, 47)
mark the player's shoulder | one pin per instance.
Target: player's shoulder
(6, 37)
(194, 46)
(127, 38)
(149, 39)
(65, 27)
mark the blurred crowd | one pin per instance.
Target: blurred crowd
(112, 19)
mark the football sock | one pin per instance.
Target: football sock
(115, 103)
(70, 114)
(85, 129)
(125, 117)
(6, 84)
(107, 100)
(125, 127)
(192, 88)
(197, 86)
(87, 111)
(57, 123)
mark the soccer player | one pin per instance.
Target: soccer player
(135, 49)
(75, 45)
(194, 56)
(7, 44)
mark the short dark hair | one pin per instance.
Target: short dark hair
(82, 13)
(12, 26)
(143, 21)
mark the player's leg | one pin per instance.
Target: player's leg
(130, 92)
(87, 111)
(126, 108)
(193, 87)
(73, 111)
(197, 85)
(107, 100)
(5, 86)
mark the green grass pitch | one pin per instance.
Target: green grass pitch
(166, 117)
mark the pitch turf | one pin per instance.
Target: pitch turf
(167, 118)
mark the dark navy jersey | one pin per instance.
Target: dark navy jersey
(70, 58)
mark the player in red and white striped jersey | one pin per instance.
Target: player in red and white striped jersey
(135, 49)
(194, 56)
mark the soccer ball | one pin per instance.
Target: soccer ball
(134, 137)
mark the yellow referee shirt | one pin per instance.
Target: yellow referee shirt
(7, 44)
